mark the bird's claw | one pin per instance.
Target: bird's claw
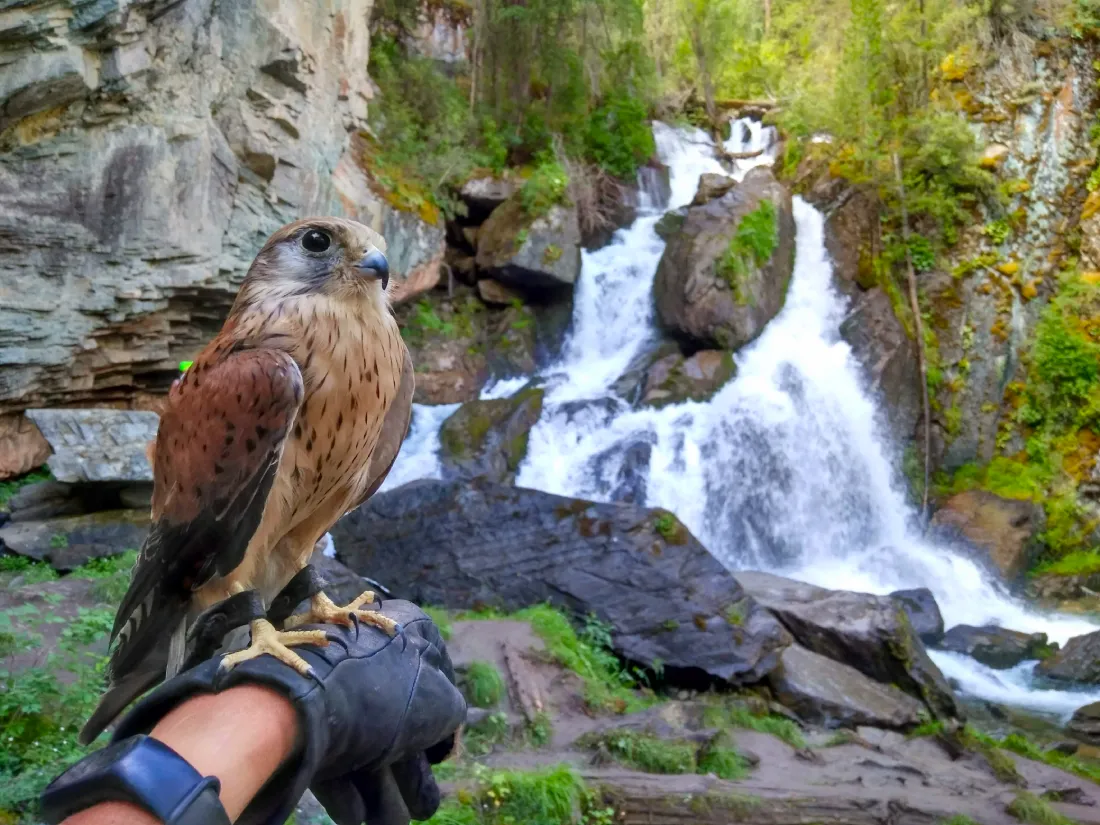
(276, 643)
(322, 610)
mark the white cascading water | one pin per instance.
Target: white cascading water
(784, 469)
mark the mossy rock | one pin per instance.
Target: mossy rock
(675, 379)
(489, 438)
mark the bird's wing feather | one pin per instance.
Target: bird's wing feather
(217, 452)
(395, 426)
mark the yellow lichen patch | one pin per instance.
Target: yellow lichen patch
(1008, 268)
(1091, 278)
(957, 64)
(999, 330)
(39, 126)
(1029, 290)
(1092, 205)
(1078, 462)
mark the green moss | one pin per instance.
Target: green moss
(482, 684)
(752, 245)
(1032, 810)
(1076, 563)
(11, 487)
(552, 254)
(734, 614)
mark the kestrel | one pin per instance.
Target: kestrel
(289, 418)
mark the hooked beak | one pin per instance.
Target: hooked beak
(375, 265)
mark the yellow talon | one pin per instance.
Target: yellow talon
(322, 610)
(266, 639)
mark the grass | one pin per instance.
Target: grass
(442, 620)
(553, 796)
(1002, 765)
(1025, 747)
(481, 738)
(730, 714)
(111, 575)
(1076, 563)
(482, 685)
(28, 570)
(607, 685)
(1030, 809)
(539, 731)
(645, 752)
(13, 486)
(958, 819)
(724, 762)
(753, 243)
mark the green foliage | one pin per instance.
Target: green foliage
(553, 796)
(493, 730)
(28, 570)
(43, 707)
(607, 685)
(618, 137)
(922, 253)
(11, 487)
(547, 187)
(540, 730)
(442, 619)
(1020, 744)
(977, 742)
(997, 231)
(731, 713)
(752, 245)
(59, 541)
(723, 762)
(1075, 563)
(643, 751)
(111, 575)
(482, 684)
(959, 819)
(665, 524)
(1032, 810)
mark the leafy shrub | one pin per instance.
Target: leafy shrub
(483, 685)
(618, 137)
(754, 242)
(547, 187)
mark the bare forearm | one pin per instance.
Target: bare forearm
(241, 736)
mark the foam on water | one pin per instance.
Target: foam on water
(785, 469)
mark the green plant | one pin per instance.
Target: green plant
(723, 762)
(28, 570)
(922, 253)
(442, 620)
(59, 541)
(643, 751)
(1017, 743)
(665, 524)
(539, 730)
(1075, 563)
(480, 739)
(731, 713)
(553, 796)
(958, 819)
(547, 187)
(753, 244)
(1032, 810)
(13, 486)
(482, 684)
(607, 685)
(618, 136)
(997, 231)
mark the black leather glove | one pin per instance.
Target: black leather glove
(380, 711)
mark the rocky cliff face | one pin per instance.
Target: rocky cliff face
(147, 149)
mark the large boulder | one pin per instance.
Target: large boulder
(724, 273)
(924, 613)
(674, 378)
(1077, 661)
(469, 544)
(1085, 724)
(537, 255)
(1001, 532)
(98, 445)
(66, 543)
(414, 249)
(22, 447)
(870, 633)
(996, 647)
(484, 193)
(830, 693)
(149, 149)
(489, 438)
(888, 357)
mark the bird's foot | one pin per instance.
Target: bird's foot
(277, 643)
(322, 610)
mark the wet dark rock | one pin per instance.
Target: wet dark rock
(888, 358)
(671, 222)
(1077, 661)
(489, 438)
(870, 633)
(68, 542)
(631, 468)
(710, 300)
(823, 691)
(471, 544)
(630, 384)
(996, 647)
(674, 378)
(711, 186)
(923, 612)
(1002, 533)
(1085, 724)
(538, 256)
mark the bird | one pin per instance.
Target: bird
(289, 418)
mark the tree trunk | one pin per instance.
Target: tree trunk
(918, 325)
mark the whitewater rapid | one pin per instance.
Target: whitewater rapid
(785, 469)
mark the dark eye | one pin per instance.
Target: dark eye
(316, 241)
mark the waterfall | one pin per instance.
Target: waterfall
(785, 469)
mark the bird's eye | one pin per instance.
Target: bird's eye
(316, 241)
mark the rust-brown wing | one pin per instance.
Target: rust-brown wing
(217, 452)
(395, 426)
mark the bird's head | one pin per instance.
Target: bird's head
(334, 257)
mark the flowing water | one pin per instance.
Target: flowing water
(784, 469)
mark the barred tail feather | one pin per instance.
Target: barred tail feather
(118, 696)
